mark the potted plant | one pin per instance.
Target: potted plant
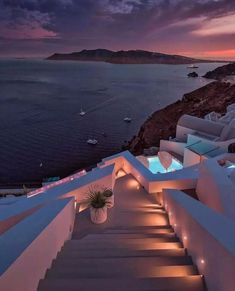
(108, 194)
(98, 206)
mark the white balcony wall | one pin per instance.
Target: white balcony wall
(208, 236)
(172, 146)
(28, 248)
(191, 158)
(215, 189)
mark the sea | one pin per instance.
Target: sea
(41, 131)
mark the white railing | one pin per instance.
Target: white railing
(56, 183)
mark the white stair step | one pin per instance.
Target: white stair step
(141, 227)
(140, 231)
(93, 263)
(144, 219)
(134, 245)
(140, 210)
(146, 270)
(145, 230)
(188, 283)
(100, 241)
(94, 253)
(108, 236)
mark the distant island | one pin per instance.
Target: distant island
(126, 57)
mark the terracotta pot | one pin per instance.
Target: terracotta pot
(110, 201)
(98, 215)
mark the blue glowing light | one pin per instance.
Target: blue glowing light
(155, 166)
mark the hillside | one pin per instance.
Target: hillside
(215, 96)
(125, 57)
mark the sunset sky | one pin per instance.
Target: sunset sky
(198, 28)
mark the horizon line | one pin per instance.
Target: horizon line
(208, 57)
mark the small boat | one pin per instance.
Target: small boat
(92, 141)
(193, 67)
(82, 113)
(127, 119)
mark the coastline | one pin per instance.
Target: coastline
(215, 96)
(60, 143)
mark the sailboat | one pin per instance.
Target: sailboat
(92, 141)
(193, 66)
(82, 112)
(127, 119)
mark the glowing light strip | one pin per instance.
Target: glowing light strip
(56, 183)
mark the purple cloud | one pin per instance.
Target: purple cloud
(68, 25)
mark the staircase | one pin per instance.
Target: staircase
(121, 259)
(135, 250)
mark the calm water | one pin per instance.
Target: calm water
(41, 101)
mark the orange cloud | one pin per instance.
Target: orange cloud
(221, 53)
(215, 54)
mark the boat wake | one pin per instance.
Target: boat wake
(100, 105)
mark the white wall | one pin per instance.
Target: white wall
(117, 160)
(188, 123)
(25, 272)
(130, 165)
(130, 169)
(13, 213)
(215, 189)
(80, 194)
(144, 160)
(11, 221)
(180, 184)
(182, 179)
(172, 146)
(208, 236)
(182, 132)
(191, 158)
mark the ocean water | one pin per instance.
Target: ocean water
(41, 131)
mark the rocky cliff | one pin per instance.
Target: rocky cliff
(215, 96)
(125, 57)
(221, 72)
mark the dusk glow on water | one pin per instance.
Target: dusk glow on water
(40, 119)
(42, 130)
